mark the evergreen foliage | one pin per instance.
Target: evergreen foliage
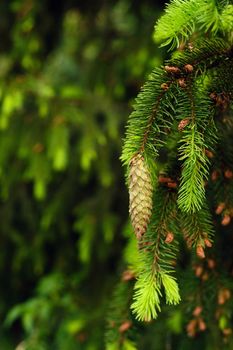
(74, 275)
(181, 119)
(184, 18)
(156, 261)
(64, 98)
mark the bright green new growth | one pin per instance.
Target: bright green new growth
(148, 293)
(194, 171)
(184, 17)
(176, 112)
(147, 297)
(171, 289)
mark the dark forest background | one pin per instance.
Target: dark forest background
(69, 71)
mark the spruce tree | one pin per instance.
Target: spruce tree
(178, 156)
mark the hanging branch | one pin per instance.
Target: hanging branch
(176, 111)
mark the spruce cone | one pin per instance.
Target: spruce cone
(140, 195)
(183, 123)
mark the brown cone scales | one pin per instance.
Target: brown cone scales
(140, 195)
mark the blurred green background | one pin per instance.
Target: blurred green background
(69, 71)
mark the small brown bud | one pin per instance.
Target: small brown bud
(209, 154)
(172, 69)
(169, 237)
(201, 325)
(198, 271)
(228, 174)
(172, 184)
(200, 252)
(127, 275)
(214, 175)
(197, 311)
(220, 208)
(226, 220)
(182, 124)
(207, 243)
(211, 263)
(163, 179)
(125, 326)
(182, 83)
(188, 68)
(191, 328)
(164, 86)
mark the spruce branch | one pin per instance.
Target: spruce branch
(176, 130)
(157, 261)
(192, 154)
(142, 134)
